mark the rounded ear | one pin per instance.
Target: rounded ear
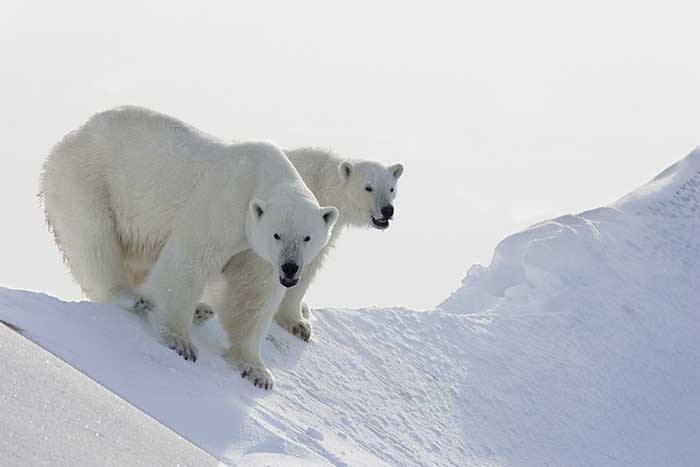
(396, 170)
(257, 208)
(329, 215)
(345, 169)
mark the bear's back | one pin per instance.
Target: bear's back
(133, 129)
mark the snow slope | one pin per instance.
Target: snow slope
(578, 345)
(55, 416)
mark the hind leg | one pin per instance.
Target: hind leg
(173, 285)
(95, 259)
(82, 223)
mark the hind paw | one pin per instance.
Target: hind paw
(133, 303)
(141, 305)
(301, 329)
(202, 313)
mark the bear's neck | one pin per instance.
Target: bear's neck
(319, 170)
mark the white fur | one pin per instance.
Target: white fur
(333, 181)
(137, 197)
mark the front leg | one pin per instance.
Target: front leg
(247, 327)
(246, 315)
(175, 283)
(290, 314)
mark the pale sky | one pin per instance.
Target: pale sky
(503, 113)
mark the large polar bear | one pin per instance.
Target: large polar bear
(363, 191)
(133, 188)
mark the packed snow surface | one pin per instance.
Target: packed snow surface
(53, 415)
(578, 345)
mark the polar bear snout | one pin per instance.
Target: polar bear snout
(388, 211)
(290, 274)
(382, 223)
(290, 270)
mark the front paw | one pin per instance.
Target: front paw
(184, 347)
(301, 328)
(202, 312)
(258, 375)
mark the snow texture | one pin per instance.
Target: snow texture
(578, 345)
(52, 415)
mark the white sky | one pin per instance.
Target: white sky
(503, 113)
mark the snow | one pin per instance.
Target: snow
(55, 416)
(578, 345)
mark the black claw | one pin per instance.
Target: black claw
(256, 381)
(244, 374)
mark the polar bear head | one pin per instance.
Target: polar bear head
(370, 189)
(289, 233)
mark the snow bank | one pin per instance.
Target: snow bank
(578, 345)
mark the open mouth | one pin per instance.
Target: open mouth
(381, 224)
(288, 282)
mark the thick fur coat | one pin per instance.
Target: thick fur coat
(363, 191)
(146, 209)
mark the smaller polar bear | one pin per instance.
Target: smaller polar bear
(363, 191)
(133, 189)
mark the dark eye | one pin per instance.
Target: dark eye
(307, 238)
(368, 188)
(392, 190)
(276, 236)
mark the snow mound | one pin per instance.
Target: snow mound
(590, 350)
(578, 345)
(652, 228)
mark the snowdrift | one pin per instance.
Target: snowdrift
(578, 345)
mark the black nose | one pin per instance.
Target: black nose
(388, 211)
(290, 269)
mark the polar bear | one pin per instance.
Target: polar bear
(362, 190)
(133, 188)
